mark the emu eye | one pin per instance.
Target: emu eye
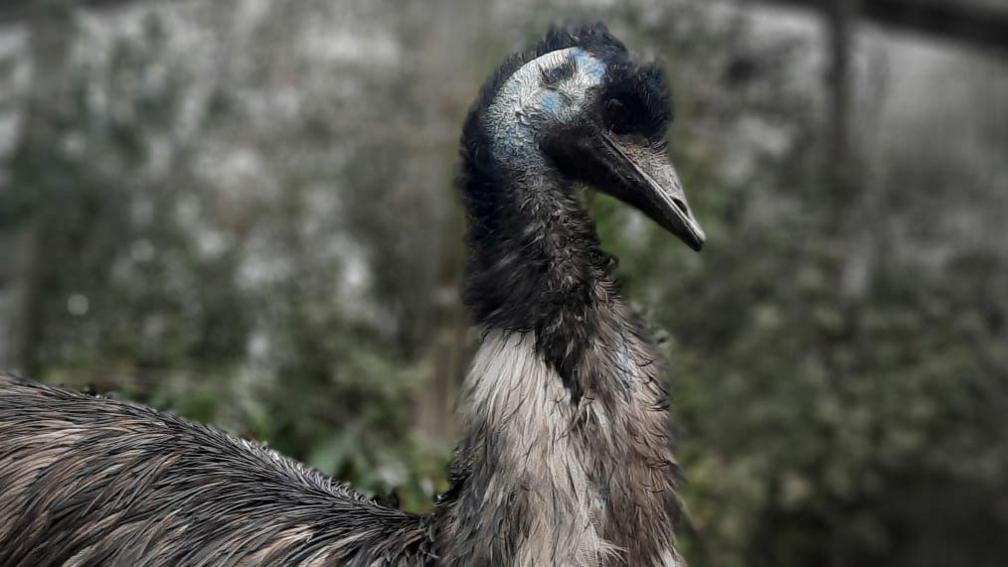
(617, 116)
(624, 114)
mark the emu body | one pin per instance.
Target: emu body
(94, 481)
(566, 459)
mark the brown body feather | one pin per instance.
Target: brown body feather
(94, 481)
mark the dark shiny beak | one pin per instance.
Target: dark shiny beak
(649, 182)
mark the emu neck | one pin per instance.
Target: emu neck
(567, 459)
(536, 266)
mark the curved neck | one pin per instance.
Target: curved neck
(535, 264)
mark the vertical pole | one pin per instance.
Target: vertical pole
(839, 20)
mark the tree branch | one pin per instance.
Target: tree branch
(18, 11)
(973, 23)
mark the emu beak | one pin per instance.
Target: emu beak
(649, 182)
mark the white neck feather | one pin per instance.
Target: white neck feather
(531, 417)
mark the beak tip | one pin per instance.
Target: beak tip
(689, 233)
(696, 237)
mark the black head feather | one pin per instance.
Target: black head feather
(637, 100)
(478, 170)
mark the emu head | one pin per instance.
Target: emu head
(583, 106)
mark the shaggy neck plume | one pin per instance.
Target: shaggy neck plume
(536, 266)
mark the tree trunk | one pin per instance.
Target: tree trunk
(51, 33)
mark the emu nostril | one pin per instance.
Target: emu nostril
(682, 206)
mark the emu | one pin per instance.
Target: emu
(566, 459)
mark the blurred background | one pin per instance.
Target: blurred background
(243, 211)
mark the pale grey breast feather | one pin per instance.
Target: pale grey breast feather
(532, 431)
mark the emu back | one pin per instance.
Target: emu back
(94, 481)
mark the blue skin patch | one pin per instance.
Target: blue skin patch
(551, 102)
(589, 65)
(522, 105)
